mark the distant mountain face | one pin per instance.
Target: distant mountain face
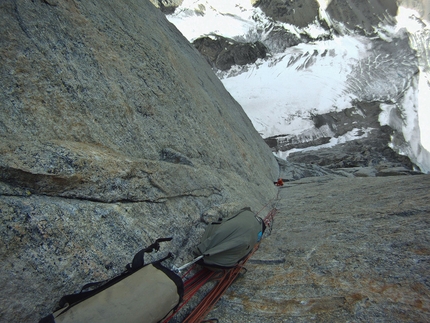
(325, 57)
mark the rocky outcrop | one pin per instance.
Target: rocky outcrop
(356, 15)
(370, 155)
(167, 6)
(222, 53)
(363, 115)
(367, 157)
(291, 171)
(278, 39)
(114, 131)
(361, 15)
(298, 12)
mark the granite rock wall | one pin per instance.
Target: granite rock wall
(113, 132)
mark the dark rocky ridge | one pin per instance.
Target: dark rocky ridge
(359, 16)
(167, 6)
(361, 116)
(222, 53)
(298, 12)
(363, 16)
(354, 14)
(371, 152)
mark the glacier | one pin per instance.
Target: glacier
(282, 92)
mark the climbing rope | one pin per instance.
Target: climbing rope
(276, 198)
(192, 286)
(209, 301)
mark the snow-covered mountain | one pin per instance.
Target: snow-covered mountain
(332, 70)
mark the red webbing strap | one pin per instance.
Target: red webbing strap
(270, 201)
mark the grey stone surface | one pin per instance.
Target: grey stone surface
(362, 15)
(114, 132)
(341, 250)
(291, 171)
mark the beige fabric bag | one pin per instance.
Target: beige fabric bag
(146, 296)
(141, 294)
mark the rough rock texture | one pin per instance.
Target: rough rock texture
(114, 131)
(296, 12)
(342, 250)
(292, 171)
(362, 15)
(277, 39)
(362, 115)
(167, 6)
(372, 151)
(354, 14)
(368, 156)
(222, 53)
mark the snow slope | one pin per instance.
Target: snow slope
(281, 92)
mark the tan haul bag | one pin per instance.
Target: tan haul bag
(142, 294)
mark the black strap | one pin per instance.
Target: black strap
(139, 261)
(95, 285)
